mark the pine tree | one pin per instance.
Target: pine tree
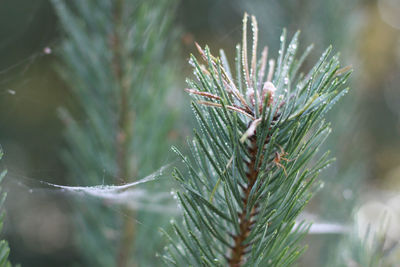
(114, 60)
(255, 158)
(4, 248)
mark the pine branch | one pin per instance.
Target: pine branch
(372, 248)
(124, 132)
(254, 160)
(114, 60)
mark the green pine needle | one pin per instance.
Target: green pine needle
(255, 156)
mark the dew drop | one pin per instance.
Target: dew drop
(11, 92)
(286, 80)
(47, 50)
(191, 62)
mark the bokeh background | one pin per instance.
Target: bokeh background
(365, 139)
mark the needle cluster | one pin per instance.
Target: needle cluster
(255, 156)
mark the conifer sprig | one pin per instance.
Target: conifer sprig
(115, 62)
(253, 162)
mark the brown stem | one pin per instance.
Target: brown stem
(124, 134)
(245, 221)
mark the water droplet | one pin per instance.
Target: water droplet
(286, 80)
(47, 50)
(191, 62)
(327, 166)
(11, 92)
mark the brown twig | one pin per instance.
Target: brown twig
(228, 83)
(237, 109)
(205, 94)
(124, 134)
(238, 250)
